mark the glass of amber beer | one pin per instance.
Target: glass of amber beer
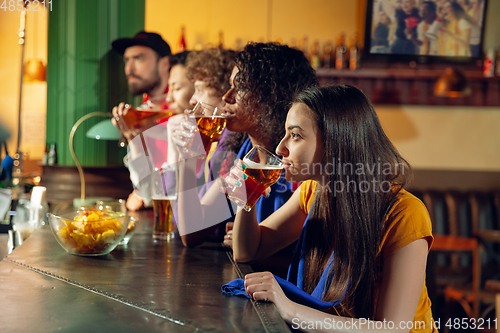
(164, 195)
(210, 123)
(263, 169)
(138, 119)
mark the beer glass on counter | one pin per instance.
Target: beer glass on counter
(164, 195)
(263, 169)
(210, 123)
(138, 119)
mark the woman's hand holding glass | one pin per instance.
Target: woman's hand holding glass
(235, 187)
(182, 131)
(236, 176)
(194, 132)
(252, 177)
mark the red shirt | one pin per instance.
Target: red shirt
(163, 105)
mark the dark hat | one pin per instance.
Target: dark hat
(149, 39)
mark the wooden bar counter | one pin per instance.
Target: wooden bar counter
(143, 286)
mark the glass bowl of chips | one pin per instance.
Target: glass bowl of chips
(130, 230)
(89, 231)
(119, 205)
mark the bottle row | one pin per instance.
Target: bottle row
(50, 155)
(341, 55)
(491, 65)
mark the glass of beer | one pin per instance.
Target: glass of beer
(263, 169)
(164, 195)
(138, 119)
(210, 123)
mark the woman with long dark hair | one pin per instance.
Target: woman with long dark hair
(362, 239)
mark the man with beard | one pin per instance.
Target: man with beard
(147, 64)
(147, 67)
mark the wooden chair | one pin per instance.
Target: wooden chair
(494, 285)
(436, 205)
(464, 250)
(485, 209)
(465, 227)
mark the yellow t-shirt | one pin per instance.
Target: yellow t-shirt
(407, 221)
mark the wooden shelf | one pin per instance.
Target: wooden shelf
(63, 182)
(412, 86)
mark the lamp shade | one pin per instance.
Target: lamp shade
(452, 83)
(34, 70)
(4, 134)
(104, 130)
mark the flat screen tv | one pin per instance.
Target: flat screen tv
(425, 31)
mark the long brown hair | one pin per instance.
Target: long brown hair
(348, 220)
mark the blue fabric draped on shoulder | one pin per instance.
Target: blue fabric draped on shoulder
(293, 287)
(297, 265)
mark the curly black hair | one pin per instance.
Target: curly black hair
(270, 74)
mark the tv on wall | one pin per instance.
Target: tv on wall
(425, 31)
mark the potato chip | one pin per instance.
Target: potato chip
(91, 232)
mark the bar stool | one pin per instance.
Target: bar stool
(494, 285)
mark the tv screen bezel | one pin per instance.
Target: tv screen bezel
(421, 59)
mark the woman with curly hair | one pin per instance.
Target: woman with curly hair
(263, 82)
(210, 71)
(362, 239)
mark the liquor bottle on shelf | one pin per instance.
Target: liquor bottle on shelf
(489, 63)
(182, 40)
(497, 63)
(220, 44)
(239, 44)
(304, 47)
(45, 156)
(315, 57)
(52, 157)
(327, 56)
(198, 46)
(354, 54)
(341, 53)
